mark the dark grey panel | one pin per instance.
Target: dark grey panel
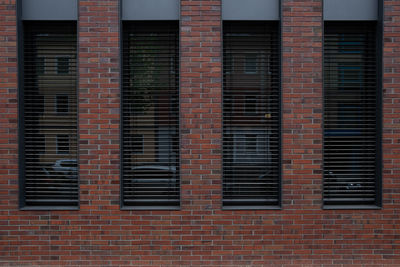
(351, 9)
(150, 9)
(250, 9)
(49, 9)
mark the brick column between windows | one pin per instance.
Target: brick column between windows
(99, 102)
(8, 127)
(8, 106)
(200, 97)
(302, 104)
(391, 106)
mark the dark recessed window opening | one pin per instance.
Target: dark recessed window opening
(62, 102)
(150, 115)
(48, 140)
(62, 144)
(250, 105)
(37, 141)
(251, 115)
(250, 63)
(40, 65)
(351, 114)
(63, 65)
(138, 143)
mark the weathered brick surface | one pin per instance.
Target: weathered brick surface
(99, 102)
(391, 106)
(302, 104)
(201, 90)
(8, 133)
(201, 233)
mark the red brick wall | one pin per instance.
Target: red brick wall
(201, 105)
(9, 216)
(100, 234)
(302, 105)
(99, 102)
(391, 107)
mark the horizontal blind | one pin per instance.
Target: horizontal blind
(50, 177)
(251, 115)
(350, 113)
(150, 115)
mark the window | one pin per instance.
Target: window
(62, 104)
(228, 64)
(38, 103)
(40, 65)
(137, 145)
(250, 63)
(351, 115)
(251, 107)
(37, 142)
(47, 138)
(150, 110)
(62, 144)
(62, 65)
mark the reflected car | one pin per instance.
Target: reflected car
(67, 167)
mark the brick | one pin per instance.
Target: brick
(200, 233)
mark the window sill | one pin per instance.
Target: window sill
(252, 208)
(50, 208)
(150, 208)
(351, 207)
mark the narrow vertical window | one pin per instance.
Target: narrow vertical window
(351, 110)
(62, 143)
(62, 103)
(150, 115)
(40, 65)
(62, 65)
(48, 139)
(251, 115)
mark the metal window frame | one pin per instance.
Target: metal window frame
(257, 10)
(151, 10)
(121, 189)
(54, 10)
(21, 120)
(350, 10)
(379, 121)
(280, 118)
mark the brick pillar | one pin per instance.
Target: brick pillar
(201, 87)
(302, 104)
(391, 106)
(8, 129)
(99, 101)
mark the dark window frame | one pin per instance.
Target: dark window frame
(40, 186)
(164, 132)
(267, 64)
(347, 113)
